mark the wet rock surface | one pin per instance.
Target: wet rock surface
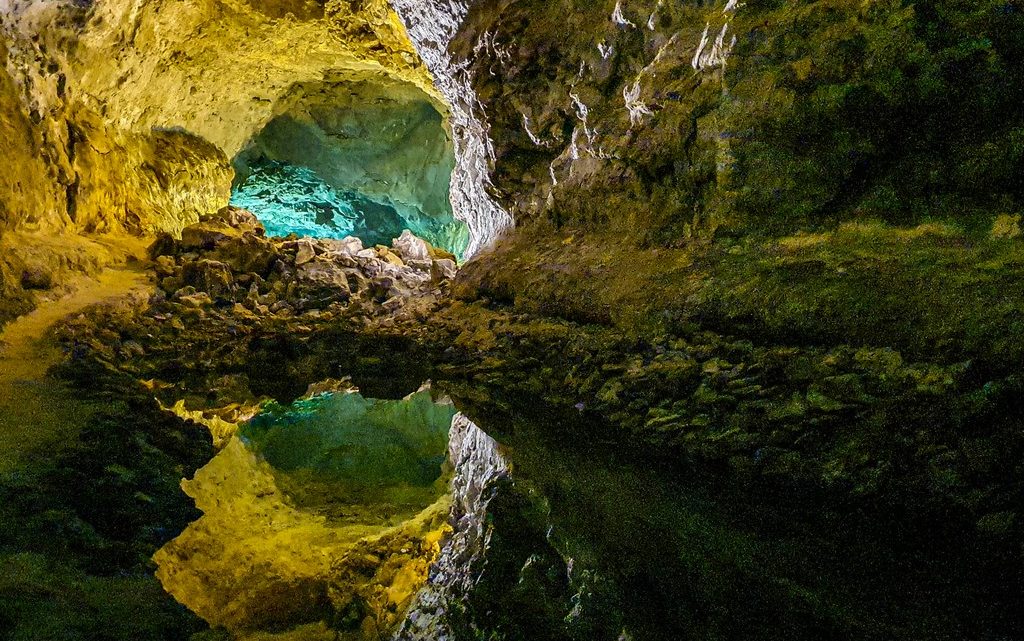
(78, 527)
(721, 399)
(747, 488)
(671, 122)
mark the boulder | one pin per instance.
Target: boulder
(36, 278)
(164, 266)
(164, 245)
(242, 219)
(349, 245)
(304, 251)
(206, 235)
(411, 248)
(442, 270)
(391, 258)
(322, 271)
(248, 254)
(320, 282)
(210, 276)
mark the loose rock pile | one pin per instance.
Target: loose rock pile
(227, 261)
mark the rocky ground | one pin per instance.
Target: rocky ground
(851, 486)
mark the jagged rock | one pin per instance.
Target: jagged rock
(322, 272)
(240, 218)
(248, 254)
(391, 258)
(164, 266)
(442, 270)
(411, 248)
(393, 304)
(438, 253)
(349, 245)
(36, 278)
(194, 300)
(304, 252)
(320, 282)
(164, 245)
(210, 276)
(206, 235)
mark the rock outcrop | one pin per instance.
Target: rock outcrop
(226, 259)
(667, 121)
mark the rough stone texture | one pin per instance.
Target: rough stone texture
(70, 171)
(478, 466)
(665, 121)
(383, 138)
(119, 116)
(239, 63)
(432, 26)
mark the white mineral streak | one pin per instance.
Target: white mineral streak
(618, 18)
(583, 115)
(489, 43)
(606, 50)
(700, 48)
(631, 93)
(533, 137)
(431, 25)
(652, 21)
(718, 54)
(636, 107)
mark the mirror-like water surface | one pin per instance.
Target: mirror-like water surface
(330, 509)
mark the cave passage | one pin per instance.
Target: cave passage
(366, 158)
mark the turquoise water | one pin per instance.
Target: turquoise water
(342, 448)
(292, 199)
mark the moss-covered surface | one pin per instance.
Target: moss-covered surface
(316, 513)
(78, 528)
(823, 111)
(931, 292)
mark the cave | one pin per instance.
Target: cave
(366, 159)
(451, 320)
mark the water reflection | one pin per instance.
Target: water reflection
(325, 512)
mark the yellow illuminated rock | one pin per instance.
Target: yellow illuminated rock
(262, 558)
(121, 116)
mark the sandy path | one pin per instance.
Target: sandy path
(35, 411)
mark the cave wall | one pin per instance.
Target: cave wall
(73, 171)
(382, 138)
(667, 121)
(432, 26)
(120, 117)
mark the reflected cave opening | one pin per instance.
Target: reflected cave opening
(343, 453)
(328, 510)
(367, 158)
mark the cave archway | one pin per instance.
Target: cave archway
(364, 157)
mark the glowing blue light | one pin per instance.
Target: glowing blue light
(292, 199)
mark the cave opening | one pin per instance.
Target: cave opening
(366, 157)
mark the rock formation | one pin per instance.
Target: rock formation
(735, 338)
